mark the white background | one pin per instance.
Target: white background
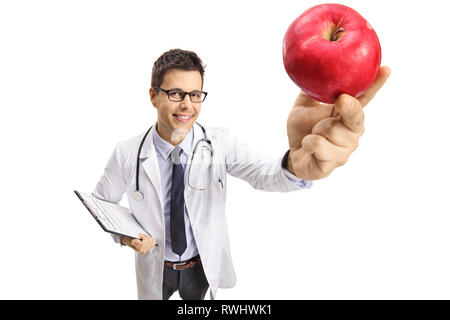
(74, 79)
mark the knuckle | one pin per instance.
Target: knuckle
(332, 131)
(312, 142)
(327, 169)
(341, 162)
(362, 130)
(317, 141)
(312, 139)
(359, 123)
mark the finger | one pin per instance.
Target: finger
(351, 112)
(305, 101)
(336, 132)
(147, 245)
(324, 150)
(301, 121)
(147, 240)
(143, 236)
(383, 75)
(136, 243)
(150, 244)
(125, 241)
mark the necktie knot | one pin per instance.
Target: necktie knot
(175, 155)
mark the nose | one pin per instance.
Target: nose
(187, 97)
(186, 100)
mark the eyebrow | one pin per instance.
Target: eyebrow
(183, 90)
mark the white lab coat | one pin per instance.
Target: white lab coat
(206, 208)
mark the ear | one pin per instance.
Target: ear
(153, 96)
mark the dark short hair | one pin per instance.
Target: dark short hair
(175, 59)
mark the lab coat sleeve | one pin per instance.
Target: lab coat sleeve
(260, 171)
(112, 185)
(292, 177)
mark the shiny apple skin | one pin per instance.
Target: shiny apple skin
(325, 69)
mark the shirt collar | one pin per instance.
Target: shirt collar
(165, 148)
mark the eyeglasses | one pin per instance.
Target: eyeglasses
(177, 95)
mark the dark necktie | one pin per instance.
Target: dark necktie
(177, 230)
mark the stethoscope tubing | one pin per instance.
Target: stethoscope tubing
(137, 194)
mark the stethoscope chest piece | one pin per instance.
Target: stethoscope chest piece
(138, 196)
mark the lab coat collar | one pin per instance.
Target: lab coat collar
(164, 148)
(149, 144)
(150, 165)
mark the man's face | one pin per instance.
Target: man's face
(170, 126)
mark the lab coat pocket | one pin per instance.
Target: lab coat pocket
(153, 250)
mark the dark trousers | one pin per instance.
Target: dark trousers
(191, 283)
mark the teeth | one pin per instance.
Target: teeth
(183, 117)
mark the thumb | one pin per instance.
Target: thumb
(351, 111)
(144, 237)
(346, 104)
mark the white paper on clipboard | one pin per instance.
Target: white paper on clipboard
(113, 218)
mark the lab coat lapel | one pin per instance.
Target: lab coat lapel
(150, 164)
(198, 135)
(195, 199)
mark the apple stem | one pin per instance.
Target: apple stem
(333, 37)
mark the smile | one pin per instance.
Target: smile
(182, 118)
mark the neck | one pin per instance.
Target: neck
(174, 137)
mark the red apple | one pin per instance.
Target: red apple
(329, 50)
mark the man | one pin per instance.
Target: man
(183, 207)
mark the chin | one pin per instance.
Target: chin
(180, 128)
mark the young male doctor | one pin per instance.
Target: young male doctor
(182, 205)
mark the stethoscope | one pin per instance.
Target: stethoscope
(138, 195)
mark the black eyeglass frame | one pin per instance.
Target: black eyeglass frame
(184, 94)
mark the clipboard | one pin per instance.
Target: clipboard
(113, 218)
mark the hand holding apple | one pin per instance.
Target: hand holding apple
(320, 142)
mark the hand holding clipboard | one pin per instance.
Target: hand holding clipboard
(118, 220)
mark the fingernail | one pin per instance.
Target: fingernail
(388, 71)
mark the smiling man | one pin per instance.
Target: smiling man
(177, 115)
(179, 197)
